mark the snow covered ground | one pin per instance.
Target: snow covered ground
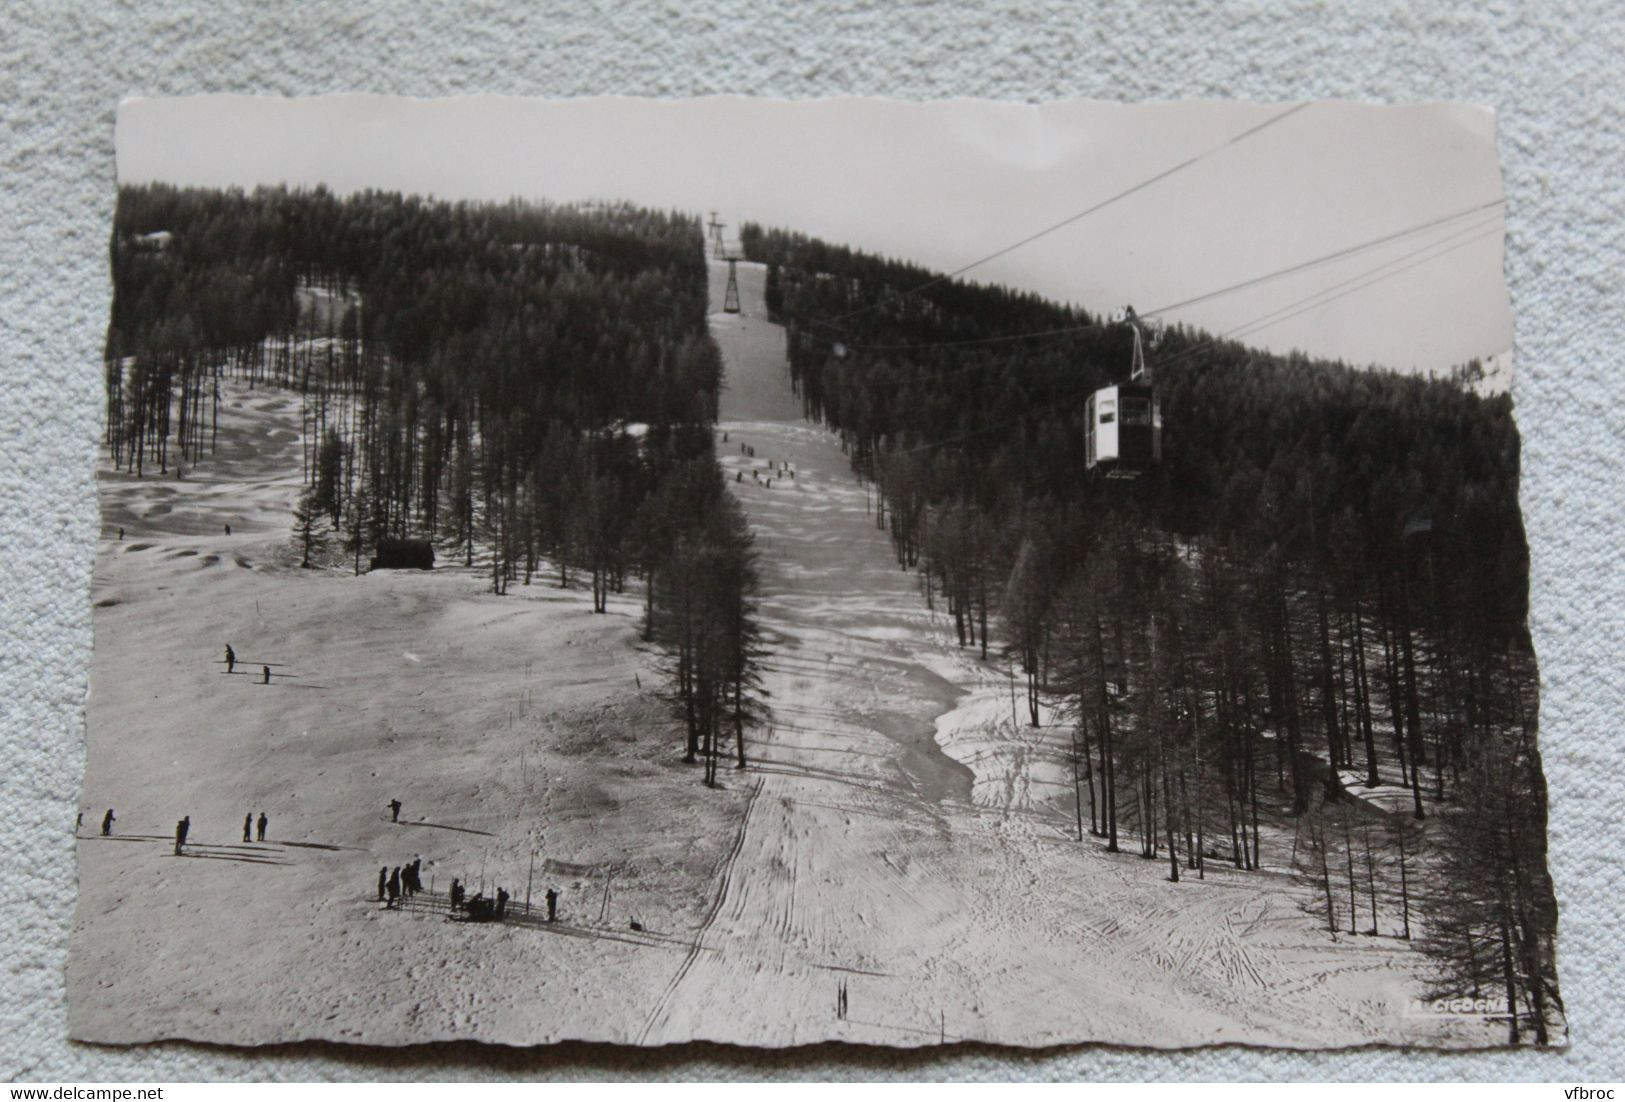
(505, 725)
(903, 827)
(896, 834)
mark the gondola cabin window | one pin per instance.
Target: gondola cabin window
(1136, 412)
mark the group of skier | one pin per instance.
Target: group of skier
(183, 828)
(775, 467)
(397, 885)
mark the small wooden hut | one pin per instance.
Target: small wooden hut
(403, 554)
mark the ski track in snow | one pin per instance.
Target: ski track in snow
(896, 830)
(906, 829)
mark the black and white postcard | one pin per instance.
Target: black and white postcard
(783, 572)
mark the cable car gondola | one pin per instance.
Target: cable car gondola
(1124, 434)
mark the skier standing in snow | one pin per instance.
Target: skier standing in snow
(552, 904)
(265, 675)
(394, 811)
(107, 823)
(231, 659)
(182, 829)
(383, 884)
(248, 826)
(262, 825)
(394, 885)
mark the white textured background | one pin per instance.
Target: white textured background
(1553, 71)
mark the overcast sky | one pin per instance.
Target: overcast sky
(944, 184)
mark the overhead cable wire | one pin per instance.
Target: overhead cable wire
(1087, 211)
(1486, 233)
(1246, 284)
(1327, 258)
(1473, 232)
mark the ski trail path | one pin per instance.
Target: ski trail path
(954, 906)
(698, 947)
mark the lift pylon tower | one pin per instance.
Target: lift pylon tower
(730, 299)
(716, 235)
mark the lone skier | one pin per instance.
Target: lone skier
(182, 829)
(394, 811)
(552, 904)
(107, 823)
(231, 659)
